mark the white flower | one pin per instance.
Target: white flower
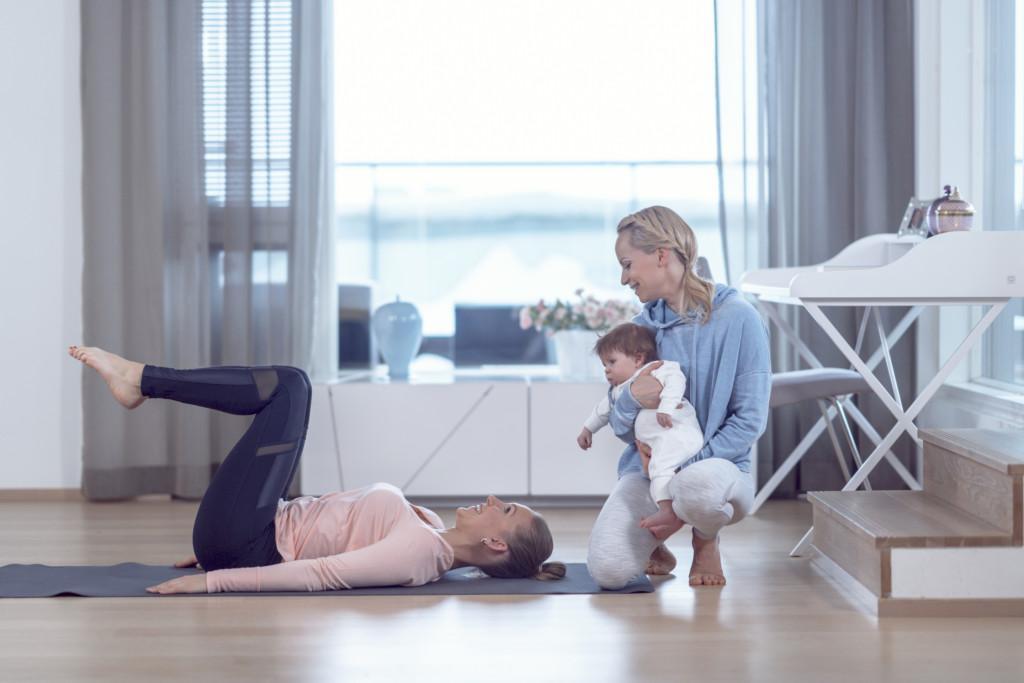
(525, 319)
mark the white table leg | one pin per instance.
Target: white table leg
(897, 333)
(802, 349)
(788, 464)
(803, 544)
(855, 360)
(916, 407)
(919, 403)
(862, 328)
(909, 479)
(884, 346)
(789, 333)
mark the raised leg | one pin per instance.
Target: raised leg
(234, 526)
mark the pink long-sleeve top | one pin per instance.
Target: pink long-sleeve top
(370, 536)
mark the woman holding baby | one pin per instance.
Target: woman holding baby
(721, 346)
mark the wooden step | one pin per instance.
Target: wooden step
(907, 519)
(979, 471)
(999, 449)
(858, 529)
(852, 551)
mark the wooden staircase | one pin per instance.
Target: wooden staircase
(954, 548)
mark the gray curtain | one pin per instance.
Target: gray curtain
(183, 274)
(839, 131)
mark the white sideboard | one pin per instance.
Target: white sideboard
(558, 467)
(457, 434)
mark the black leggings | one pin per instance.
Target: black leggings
(234, 526)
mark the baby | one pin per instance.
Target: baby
(671, 431)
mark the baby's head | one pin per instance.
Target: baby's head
(624, 350)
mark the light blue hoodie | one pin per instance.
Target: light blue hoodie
(728, 376)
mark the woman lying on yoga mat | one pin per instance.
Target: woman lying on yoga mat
(248, 539)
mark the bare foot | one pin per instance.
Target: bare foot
(663, 517)
(662, 523)
(123, 377)
(662, 562)
(706, 569)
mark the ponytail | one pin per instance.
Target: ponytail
(526, 552)
(550, 571)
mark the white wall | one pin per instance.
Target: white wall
(41, 242)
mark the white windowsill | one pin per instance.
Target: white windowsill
(1005, 406)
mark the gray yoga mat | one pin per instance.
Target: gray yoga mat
(131, 579)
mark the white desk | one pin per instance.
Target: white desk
(959, 268)
(454, 434)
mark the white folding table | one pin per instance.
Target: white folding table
(958, 268)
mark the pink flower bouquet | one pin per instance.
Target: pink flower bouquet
(586, 314)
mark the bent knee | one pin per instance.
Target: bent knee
(702, 506)
(609, 576)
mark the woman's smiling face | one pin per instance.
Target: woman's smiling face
(494, 517)
(641, 272)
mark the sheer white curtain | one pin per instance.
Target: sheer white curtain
(207, 208)
(740, 160)
(1003, 353)
(315, 294)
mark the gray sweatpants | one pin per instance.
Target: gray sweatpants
(708, 495)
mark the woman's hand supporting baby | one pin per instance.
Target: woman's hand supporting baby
(646, 389)
(647, 392)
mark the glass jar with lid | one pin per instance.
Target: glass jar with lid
(950, 212)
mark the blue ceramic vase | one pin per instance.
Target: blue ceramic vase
(399, 331)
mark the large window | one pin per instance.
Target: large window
(486, 151)
(1003, 354)
(253, 38)
(246, 54)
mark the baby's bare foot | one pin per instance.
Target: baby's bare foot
(123, 377)
(706, 569)
(662, 562)
(662, 517)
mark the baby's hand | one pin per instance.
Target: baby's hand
(584, 439)
(665, 420)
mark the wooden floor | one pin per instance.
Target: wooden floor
(778, 619)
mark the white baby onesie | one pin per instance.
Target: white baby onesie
(670, 446)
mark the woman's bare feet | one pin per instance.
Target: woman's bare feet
(706, 569)
(123, 377)
(662, 562)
